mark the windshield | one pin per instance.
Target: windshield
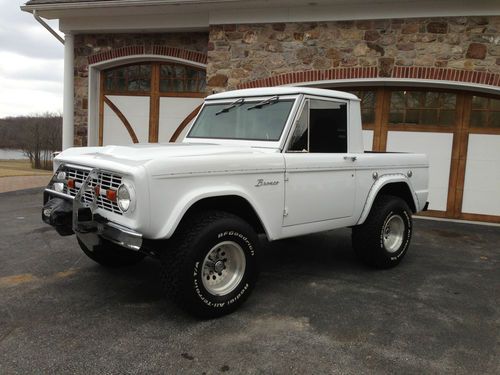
(243, 120)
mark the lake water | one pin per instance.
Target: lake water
(11, 154)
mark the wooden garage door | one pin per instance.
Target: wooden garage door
(478, 186)
(146, 102)
(460, 133)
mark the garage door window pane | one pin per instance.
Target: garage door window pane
(368, 100)
(179, 85)
(432, 100)
(495, 104)
(367, 116)
(179, 78)
(133, 85)
(132, 78)
(397, 100)
(430, 116)
(413, 99)
(167, 71)
(422, 108)
(412, 116)
(449, 100)
(495, 119)
(396, 117)
(446, 117)
(485, 112)
(479, 102)
(478, 119)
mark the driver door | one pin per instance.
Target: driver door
(321, 176)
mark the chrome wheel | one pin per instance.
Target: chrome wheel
(223, 268)
(393, 232)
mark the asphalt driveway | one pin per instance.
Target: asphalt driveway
(315, 310)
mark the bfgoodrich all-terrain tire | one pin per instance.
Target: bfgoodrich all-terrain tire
(383, 239)
(210, 267)
(110, 255)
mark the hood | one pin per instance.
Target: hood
(122, 158)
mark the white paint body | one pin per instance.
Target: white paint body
(313, 191)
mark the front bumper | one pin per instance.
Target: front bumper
(96, 228)
(74, 215)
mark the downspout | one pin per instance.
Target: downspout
(68, 86)
(47, 26)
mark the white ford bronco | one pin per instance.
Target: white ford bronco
(282, 162)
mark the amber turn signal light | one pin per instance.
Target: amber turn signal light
(111, 195)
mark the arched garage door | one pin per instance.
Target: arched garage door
(147, 101)
(458, 130)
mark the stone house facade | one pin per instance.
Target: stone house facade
(429, 79)
(462, 49)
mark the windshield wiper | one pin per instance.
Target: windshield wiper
(239, 101)
(261, 104)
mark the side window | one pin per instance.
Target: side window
(321, 128)
(327, 126)
(300, 136)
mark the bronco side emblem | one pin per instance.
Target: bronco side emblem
(261, 182)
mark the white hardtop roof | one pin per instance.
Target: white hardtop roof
(288, 90)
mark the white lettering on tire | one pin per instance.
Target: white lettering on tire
(241, 292)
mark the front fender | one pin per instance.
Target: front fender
(194, 196)
(377, 187)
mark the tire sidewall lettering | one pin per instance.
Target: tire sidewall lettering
(223, 301)
(240, 236)
(403, 214)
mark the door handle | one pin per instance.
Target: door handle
(351, 158)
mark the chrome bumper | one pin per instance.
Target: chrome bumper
(89, 226)
(91, 231)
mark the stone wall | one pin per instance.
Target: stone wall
(88, 46)
(463, 49)
(445, 48)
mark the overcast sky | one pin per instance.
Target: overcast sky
(31, 64)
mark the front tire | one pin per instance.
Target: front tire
(383, 239)
(111, 255)
(210, 267)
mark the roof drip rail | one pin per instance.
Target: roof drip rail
(47, 26)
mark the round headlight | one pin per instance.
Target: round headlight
(61, 175)
(123, 198)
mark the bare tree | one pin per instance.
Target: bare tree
(37, 136)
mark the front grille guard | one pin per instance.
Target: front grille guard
(83, 210)
(86, 223)
(85, 202)
(102, 179)
(55, 179)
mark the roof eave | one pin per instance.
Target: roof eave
(116, 3)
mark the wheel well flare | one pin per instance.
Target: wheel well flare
(401, 190)
(230, 203)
